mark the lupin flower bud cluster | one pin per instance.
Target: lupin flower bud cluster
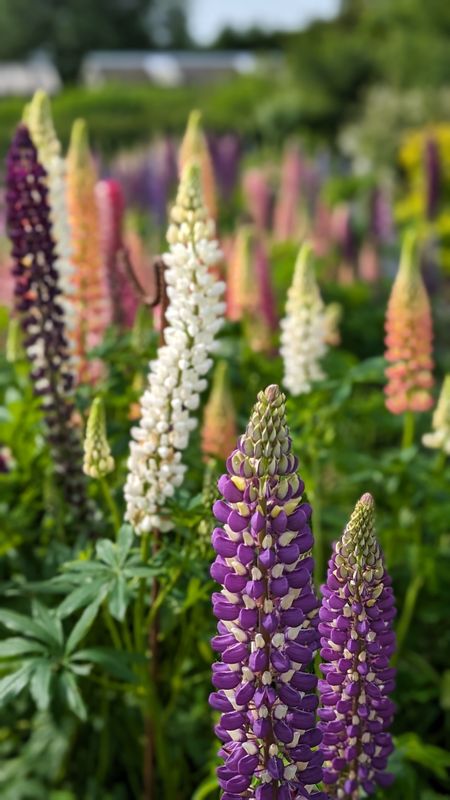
(89, 284)
(98, 460)
(409, 337)
(357, 642)
(303, 329)
(38, 305)
(267, 612)
(177, 376)
(42, 131)
(439, 437)
(194, 147)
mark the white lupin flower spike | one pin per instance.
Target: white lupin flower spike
(303, 329)
(177, 375)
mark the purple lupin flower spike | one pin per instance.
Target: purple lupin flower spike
(40, 312)
(267, 611)
(357, 643)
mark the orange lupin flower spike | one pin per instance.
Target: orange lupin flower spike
(90, 296)
(240, 294)
(219, 419)
(409, 336)
(194, 147)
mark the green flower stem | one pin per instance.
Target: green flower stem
(439, 464)
(139, 606)
(406, 616)
(155, 751)
(127, 636)
(110, 502)
(162, 594)
(318, 551)
(104, 748)
(112, 627)
(409, 422)
(153, 723)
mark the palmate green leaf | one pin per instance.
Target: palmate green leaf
(118, 597)
(28, 626)
(140, 572)
(124, 542)
(429, 756)
(84, 595)
(116, 663)
(72, 695)
(49, 620)
(107, 552)
(17, 646)
(41, 683)
(82, 626)
(13, 684)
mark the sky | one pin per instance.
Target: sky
(208, 17)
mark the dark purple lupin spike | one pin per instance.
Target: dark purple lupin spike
(357, 642)
(41, 315)
(433, 177)
(267, 612)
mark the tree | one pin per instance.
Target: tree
(70, 28)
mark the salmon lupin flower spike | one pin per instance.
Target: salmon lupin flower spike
(90, 293)
(409, 337)
(267, 617)
(304, 328)
(177, 375)
(357, 643)
(219, 417)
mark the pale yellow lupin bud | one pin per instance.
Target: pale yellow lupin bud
(98, 460)
(194, 147)
(439, 437)
(38, 118)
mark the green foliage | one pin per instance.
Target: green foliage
(74, 658)
(121, 115)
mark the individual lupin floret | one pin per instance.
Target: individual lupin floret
(177, 375)
(267, 612)
(98, 460)
(42, 131)
(439, 437)
(303, 329)
(357, 642)
(409, 337)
